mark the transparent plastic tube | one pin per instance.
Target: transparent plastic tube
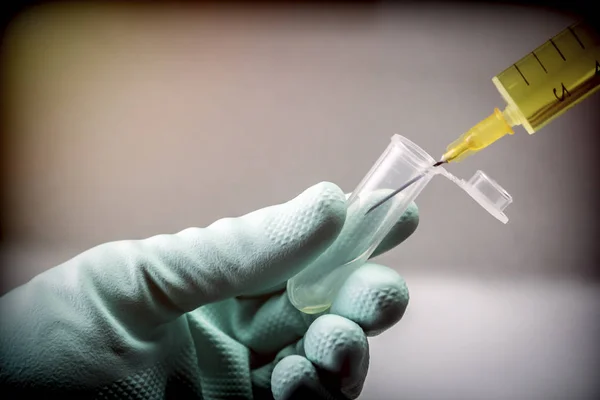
(314, 289)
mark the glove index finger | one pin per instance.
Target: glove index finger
(239, 255)
(164, 276)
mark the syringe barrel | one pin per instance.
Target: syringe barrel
(314, 289)
(553, 78)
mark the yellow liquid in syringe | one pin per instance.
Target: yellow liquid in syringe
(538, 88)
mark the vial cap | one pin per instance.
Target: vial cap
(489, 194)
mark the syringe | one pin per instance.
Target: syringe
(538, 88)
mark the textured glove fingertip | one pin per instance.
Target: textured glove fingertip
(374, 296)
(296, 232)
(294, 377)
(322, 206)
(339, 346)
(310, 222)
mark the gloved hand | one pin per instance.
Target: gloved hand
(201, 313)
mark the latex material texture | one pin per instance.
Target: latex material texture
(201, 313)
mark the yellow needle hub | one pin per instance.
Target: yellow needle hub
(478, 137)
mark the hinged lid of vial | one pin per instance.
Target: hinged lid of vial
(489, 194)
(485, 191)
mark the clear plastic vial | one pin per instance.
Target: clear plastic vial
(314, 289)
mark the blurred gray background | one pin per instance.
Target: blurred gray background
(129, 121)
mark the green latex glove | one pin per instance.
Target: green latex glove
(173, 316)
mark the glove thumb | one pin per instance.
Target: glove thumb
(162, 277)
